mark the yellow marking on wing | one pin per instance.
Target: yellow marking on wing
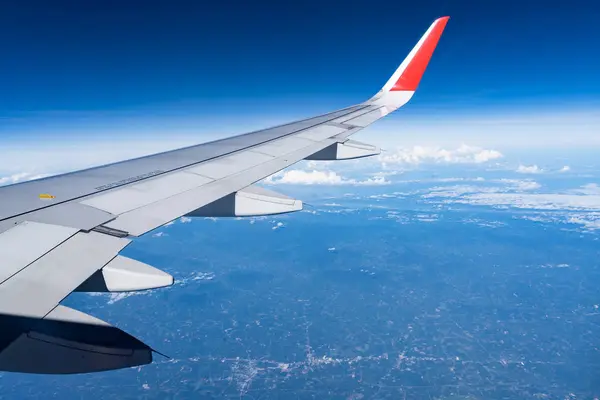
(46, 196)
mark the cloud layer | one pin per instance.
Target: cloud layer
(464, 154)
(19, 177)
(514, 193)
(529, 169)
(314, 177)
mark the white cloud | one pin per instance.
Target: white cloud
(590, 188)
(538, 201)
(312, 164)
(115, 297)
(421, 154)
(514, 196)
(590, 220)
(386, 173)
(204, 276)
(588, 223)
(300, 177)
(478, 179)
(426, 217)
(506, 186)
(566, 168)
(314, 177)
(457, 191)
(577, 206)
(159, 234)
(521, 184)
(529, 169)
(515, 193)
(278, 225)
(372, 182)
(484, 223)
(20, 177)
(185, 220)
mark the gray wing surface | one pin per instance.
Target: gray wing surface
(64, 233)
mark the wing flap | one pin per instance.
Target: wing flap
(74, 215)
(131, 197)
(367, 119)
(278, 148)
(320, 132)
(54, 276)
(24, 243)
(355, 114)
(229, 165)
(145, 219)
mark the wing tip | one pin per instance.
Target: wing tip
(417, 63)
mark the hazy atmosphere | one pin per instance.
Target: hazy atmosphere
(460, 263)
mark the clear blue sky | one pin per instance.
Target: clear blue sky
(93, 59)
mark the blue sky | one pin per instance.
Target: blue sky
(76, 72)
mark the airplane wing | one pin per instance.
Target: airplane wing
(64, 233)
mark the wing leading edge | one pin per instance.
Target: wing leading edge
(64, 233)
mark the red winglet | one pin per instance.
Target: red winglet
(411, 76)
